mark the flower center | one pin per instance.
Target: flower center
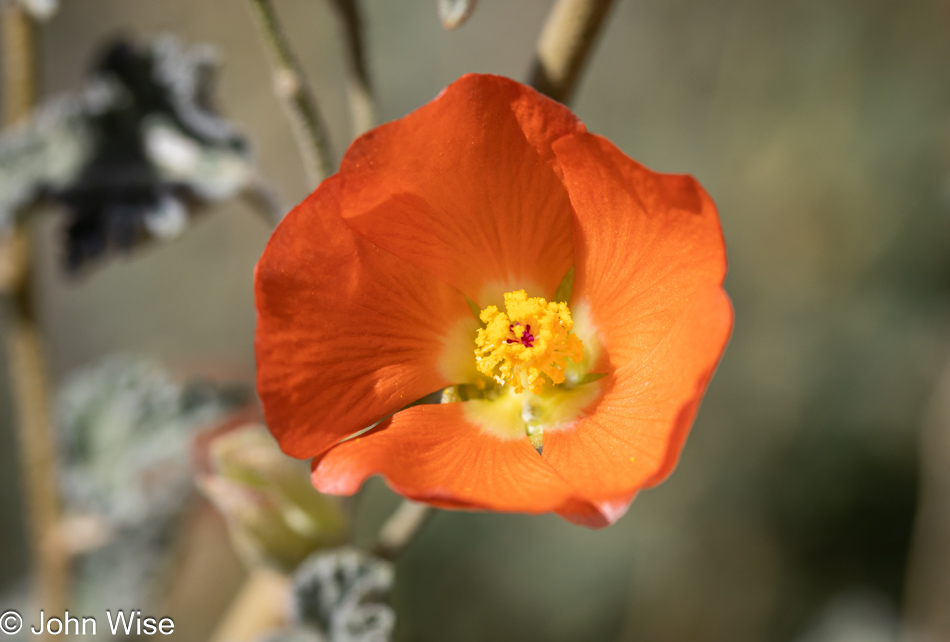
(530, 341)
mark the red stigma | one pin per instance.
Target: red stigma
(527, 339)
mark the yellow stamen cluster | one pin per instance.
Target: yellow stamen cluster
(532, 338)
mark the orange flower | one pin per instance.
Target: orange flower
(568, 300)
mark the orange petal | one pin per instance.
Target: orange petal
(632, 437)
(432, 454)
(465, 187)
(650, 262)
(643, 243)
(347, 333)
(594, 514)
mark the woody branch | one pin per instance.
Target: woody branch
(565, 44)
(23, 342)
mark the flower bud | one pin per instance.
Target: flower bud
(273, 512)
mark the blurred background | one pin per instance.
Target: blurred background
(807, 503)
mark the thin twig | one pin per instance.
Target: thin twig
(25, 352)
(358, 87)
(927, 591)
(566, 41)
(262, 605)
(290, 86)
(265, 201)
(19, 63)
(401, 527)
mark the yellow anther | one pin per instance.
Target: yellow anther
(532, 338)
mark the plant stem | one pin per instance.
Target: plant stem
(927, 590)
(401, 527)
(30, 381)
(262, 605)
(37, 460)
(265, 201)
(292, 89)
(19, 63)
(565, 44)
(358, 86)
